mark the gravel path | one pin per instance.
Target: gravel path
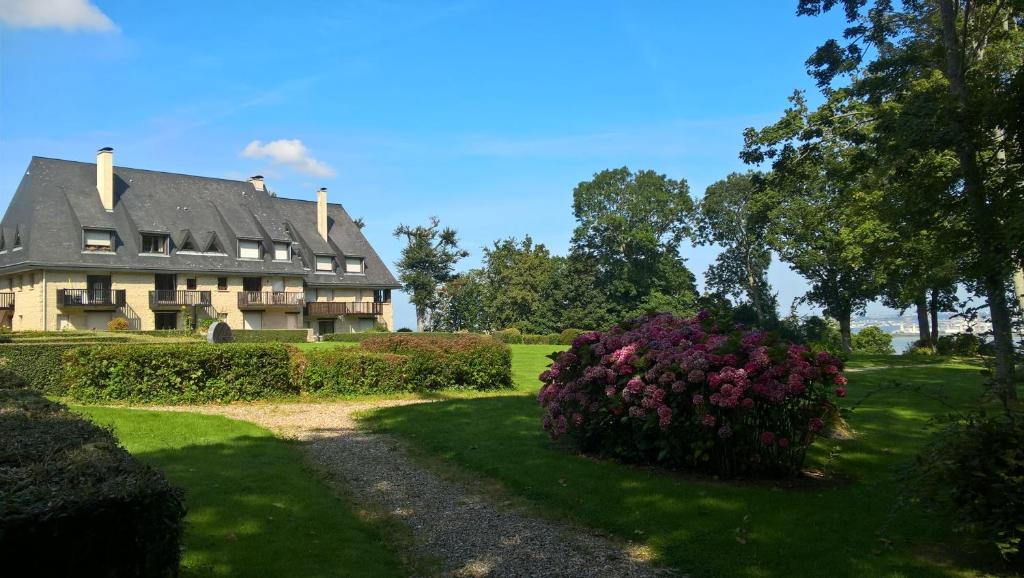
(460, 527)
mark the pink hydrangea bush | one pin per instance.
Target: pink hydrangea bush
(691, 394)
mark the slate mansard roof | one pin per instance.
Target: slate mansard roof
(57, 200)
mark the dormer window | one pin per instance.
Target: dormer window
(248, 249)
(98, 240)
(282, 251)
(17, 237)
(324, 264)
(354, 265)
(188, 244)
(154, 244)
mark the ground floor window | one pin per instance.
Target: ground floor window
(167, 320)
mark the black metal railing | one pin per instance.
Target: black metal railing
(270, 298)
(161, 298)
(332, 308)
(6, 300)
(90, 298)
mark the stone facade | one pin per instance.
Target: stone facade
(37, 306)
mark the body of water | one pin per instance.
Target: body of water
(902, 342)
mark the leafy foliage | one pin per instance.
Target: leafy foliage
(351, 371)
(730, 216)
(457, 362)
(629, 229)
(269, 335)
(963, 344)
(427, 262)
(975, 468)
(177, 373)
(872, 339)
(74, 502)
(934, 90)
(692, 394)
(118, 324)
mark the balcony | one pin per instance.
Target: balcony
(259, 300)
(6, 300)
(336, 308)
(90, 299)
(172, 300)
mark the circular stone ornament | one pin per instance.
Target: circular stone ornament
(219, 332)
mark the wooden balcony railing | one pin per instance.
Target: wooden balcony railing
(6, 300)
(261, 299)
(172, 299)
(335, 308)
(90, 298)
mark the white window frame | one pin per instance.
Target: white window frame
(359, 262)
(99, 246)
(258, 246)
(319, 259)
(166, 243)
(282, 251)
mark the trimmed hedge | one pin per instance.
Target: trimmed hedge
(460, 361)
(73, 503)
(360, 337)
(39, 364)
(168, 333)
(269, 335)
(178, 372)
(350, 371)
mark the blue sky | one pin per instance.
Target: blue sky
(486, 114)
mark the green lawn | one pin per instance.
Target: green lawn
(850, 525)
(254, 509)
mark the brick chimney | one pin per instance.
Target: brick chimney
(105, 177)
(257, 181)
(321, 212)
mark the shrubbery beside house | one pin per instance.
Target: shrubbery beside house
(691, 394)
(74, 503)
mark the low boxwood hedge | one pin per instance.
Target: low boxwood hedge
(270, 335)
(350, 371)
(73, 503)
(458, 361)
(178, 372)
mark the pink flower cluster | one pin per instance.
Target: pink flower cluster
(665, 389)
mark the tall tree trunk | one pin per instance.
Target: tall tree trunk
(933, 310)
(1002, 336)
(754, 292)
(921, 304)
(844, 332)
(1018, 287)
(421, 315)
(995, 257)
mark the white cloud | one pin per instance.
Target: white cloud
(288, 152)
(65, 14)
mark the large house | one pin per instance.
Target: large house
(81, 244)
